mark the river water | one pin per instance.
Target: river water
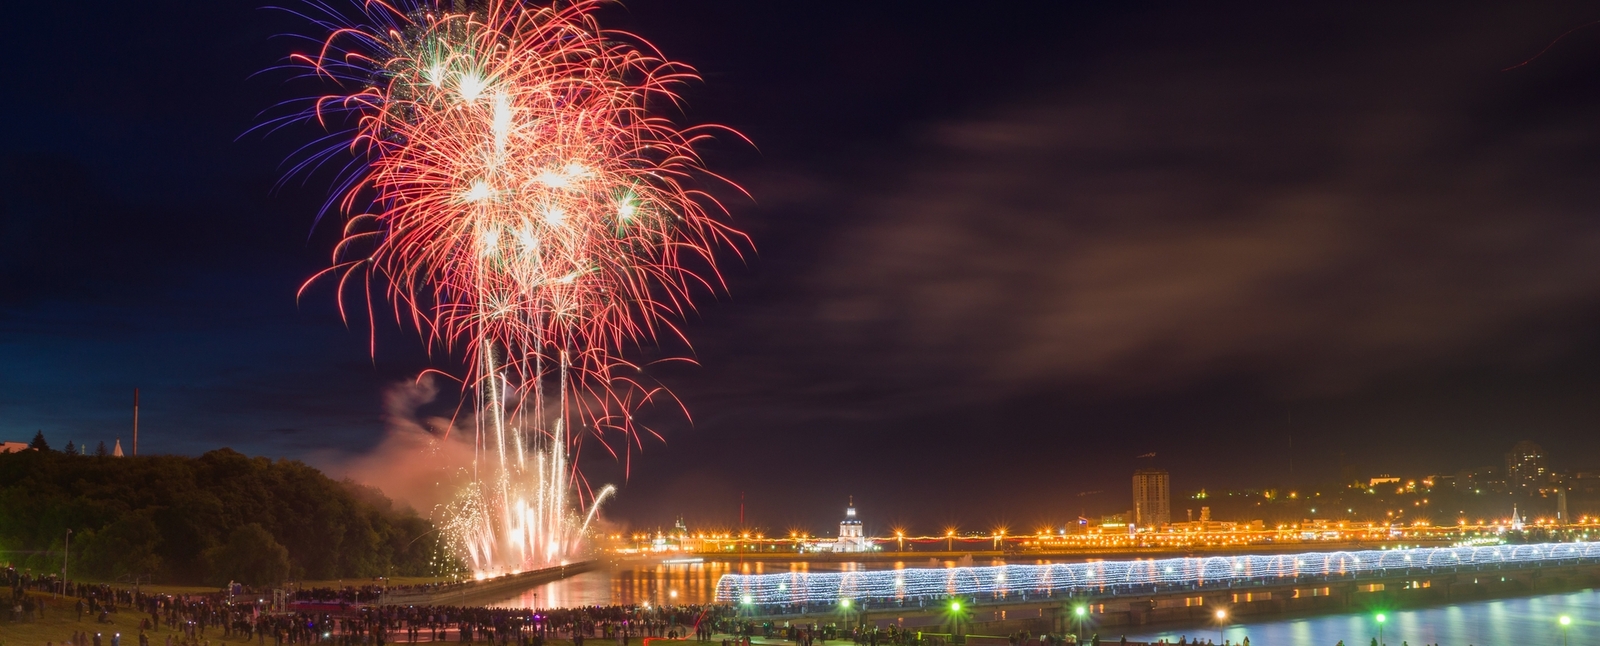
(684, 581)
(1527, 621)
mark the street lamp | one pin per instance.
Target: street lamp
(950, 540)
(1381, 618)
(1566, 622)
(955, 619)
(1222, 623)
(66, 552)
(901, 538)
(1079, 615)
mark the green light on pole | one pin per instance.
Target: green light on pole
(955, 606)
(747, 600)
(844, 602)
(1381, 618)
(1079, 616)
(1565, 623)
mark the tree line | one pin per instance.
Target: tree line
(202, 520)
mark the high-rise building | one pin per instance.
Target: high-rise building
(1152, 498)
(1525, 466)
(1480, 480)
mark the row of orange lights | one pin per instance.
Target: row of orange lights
(1100, 536)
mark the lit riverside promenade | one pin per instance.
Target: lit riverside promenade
(1159, 589)
(799, 545)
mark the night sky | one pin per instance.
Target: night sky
(1000, 251)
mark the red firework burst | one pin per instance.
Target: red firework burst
(517, 195)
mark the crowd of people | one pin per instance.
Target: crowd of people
(243, 615)
(368, 593)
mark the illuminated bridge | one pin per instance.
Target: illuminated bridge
(782, 593)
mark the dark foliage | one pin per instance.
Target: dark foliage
(251, 556)
(203, 520)
(38, 443)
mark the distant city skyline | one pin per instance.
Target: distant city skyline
(1487, 491)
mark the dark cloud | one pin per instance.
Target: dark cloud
(1179, 247)
(1078, 239)
(996, 249)
(1318, 224)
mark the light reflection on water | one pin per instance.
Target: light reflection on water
(656, 583)
(1527, 621)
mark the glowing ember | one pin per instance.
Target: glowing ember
(519, 203)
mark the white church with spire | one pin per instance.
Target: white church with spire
(850, 537)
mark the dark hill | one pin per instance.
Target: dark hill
(209, 519)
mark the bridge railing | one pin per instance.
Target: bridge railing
(1132, 576)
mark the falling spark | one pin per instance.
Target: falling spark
(493, 147)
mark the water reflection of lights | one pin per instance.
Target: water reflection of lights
(801, 587)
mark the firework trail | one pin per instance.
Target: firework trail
(515, 196)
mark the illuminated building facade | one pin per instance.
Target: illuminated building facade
(1152, 498)
(1525, 466)
(850, 536)
(1479, 480)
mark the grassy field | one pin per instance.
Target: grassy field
(156, 588)
(150, 588)
(397, 580)
(60, 620)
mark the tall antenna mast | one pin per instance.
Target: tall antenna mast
(136, 421)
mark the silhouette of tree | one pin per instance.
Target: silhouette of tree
(38, 443)
(251, 556)
(207, 519)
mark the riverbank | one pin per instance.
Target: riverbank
(1525, 621)
(915, 556)
(472, 593)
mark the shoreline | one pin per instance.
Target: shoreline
(1014, 556)
(486, 591)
